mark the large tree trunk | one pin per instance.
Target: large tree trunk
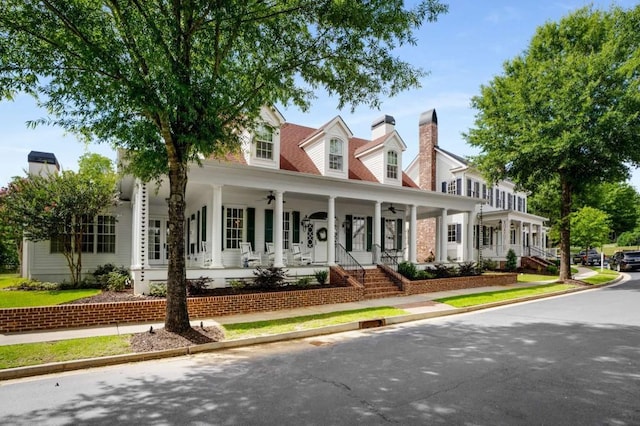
(177, 316)
(565, 229)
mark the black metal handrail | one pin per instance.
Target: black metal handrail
(385, 257)
(349, 263)
(535, 251)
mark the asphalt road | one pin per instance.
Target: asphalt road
(571, 360)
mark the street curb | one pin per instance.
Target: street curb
(65, 366)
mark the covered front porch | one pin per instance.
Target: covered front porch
(282, 216)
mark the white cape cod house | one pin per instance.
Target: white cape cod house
(308, 199)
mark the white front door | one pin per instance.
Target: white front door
(157, 241)
(319, 237)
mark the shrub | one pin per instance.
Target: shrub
(268, 278)
(238, 284)
(158, 289)
(489, 265)
(303, 282)
(34, 285)
(103, 276)
(443, 271)
(198, 286)
(512, 261)
(552, 269)
(117, 281)
(407, 270)
(468, 269)
(629, 238)
(425, 275)
(321, 276)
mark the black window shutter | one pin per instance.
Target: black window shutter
(444, 187)
(459, 187)
(268, 226)
(251, 227)
(295, 225)
(204, 223)
(382, 233)
(369, 233)
(188, 235)
(400, 232)
(198, 232)
(469, 187)
(348, 240)
(458, 232)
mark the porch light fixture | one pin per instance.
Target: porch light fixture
(305, 221)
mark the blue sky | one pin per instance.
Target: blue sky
(462, 50)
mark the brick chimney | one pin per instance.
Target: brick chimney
(382, 126)
(428, 135)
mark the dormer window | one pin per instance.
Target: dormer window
(264, 143)
(392, 165)
(335, 154)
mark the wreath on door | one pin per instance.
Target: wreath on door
(321, 235)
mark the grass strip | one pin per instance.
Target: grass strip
(9, 280)
(284, 325)
(24, 299)
(498, 296)
(22, 355)
(532, 278)
(602, 277)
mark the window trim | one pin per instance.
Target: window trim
(242, 229)
(392, 165)
(336, 158)
(269, 146)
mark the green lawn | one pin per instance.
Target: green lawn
(532, 278)
(24, 299)
(12, 356)
(602, 277)
(497, 296)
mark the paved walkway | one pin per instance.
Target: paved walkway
(419, 303)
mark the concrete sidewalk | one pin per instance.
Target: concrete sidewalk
(415, 304)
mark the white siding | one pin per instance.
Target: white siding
(376, 164)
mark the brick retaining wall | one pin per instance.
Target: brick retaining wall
(87, 315)
(95, 314)
(457, 283)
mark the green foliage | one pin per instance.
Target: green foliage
(158, 289)
(629, 238)
(303, 282)
(468, 269)
(57, 207)
(544, 120)
(408, 270)
(552, 269)
(512, 261)
(321, 276)
(198, 286)
(441, 270)
(111, 277)
(269, 278)
(488, 265)
(238, 284)
(34, 285)
(589, 228)
(423, 274)
(117, 282)
(170, 82)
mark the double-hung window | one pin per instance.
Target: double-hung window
(264, 143)
(392, 165)
(358, 233)
(234, 232)
(335, 154)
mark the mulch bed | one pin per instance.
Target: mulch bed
(161, 339)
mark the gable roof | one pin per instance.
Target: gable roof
(463, 161)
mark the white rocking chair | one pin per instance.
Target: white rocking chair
(299, 257)
(249, 257)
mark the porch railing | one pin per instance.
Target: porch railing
(349, 263)
(385, 257)
(536, 251)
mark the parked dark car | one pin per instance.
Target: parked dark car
(591, 257)
(625, 260)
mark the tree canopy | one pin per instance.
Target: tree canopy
(170, 81)
(565, 110)
(589, 228)
(60, 206)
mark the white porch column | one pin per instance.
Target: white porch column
(413, 234)
(216, 227)
(135, 228)
(331, 233)
(468, 240)
(442, 255)
(377, 234)
(507, 235)
(277, 231)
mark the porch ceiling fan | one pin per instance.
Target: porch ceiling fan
(270, 197)
(392, 209)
